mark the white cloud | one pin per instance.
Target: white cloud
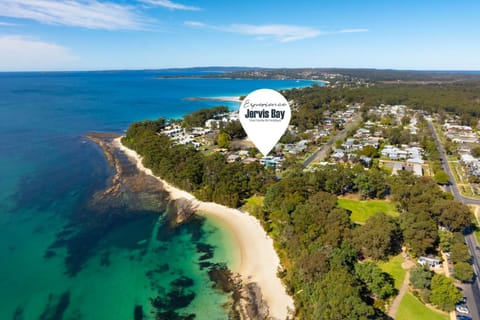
(6, 24)
(352, 30)
(278, 32)
(195, 24)
(90, 14)
(171, 5)
(19, 53)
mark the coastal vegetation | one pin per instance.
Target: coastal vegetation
(333, 267)
(321, 245)
(198, 117)
(315, 237)
(209, 177)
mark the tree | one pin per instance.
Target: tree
(419, 231)
(446, 241)
(343, 257)
(371, 183)
(223, 140)
(209, 177)
(476, 151)
(379, 283)
(288, 137)
(449, 146)
(198, 118)
(338, 143)
(405, 120)
(441, 177)
(378, 237)
(463, 271)
(319, 221)
(338, 296)
(444, 293)
(420, 277)
(454, 216)
(369, 151)
(234, 129)
(460, 252)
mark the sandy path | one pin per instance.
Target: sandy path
(392, 311)
(258, 261)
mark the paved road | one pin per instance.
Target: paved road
(453, 188)
(471, 291)
(323, 152)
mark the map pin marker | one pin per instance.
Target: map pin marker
(265, 115)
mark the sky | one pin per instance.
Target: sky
(58, 35)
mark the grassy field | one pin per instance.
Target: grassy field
(253, 203)
(476, 228)
(453, 166)
(362, 210)
(477, 235)
(394, 268)
(412, 308)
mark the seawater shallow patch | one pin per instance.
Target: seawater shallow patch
(49, 171)
(127, 267)
(94, 261)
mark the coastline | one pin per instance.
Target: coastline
(218, 99)
(257, 263)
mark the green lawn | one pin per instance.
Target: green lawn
(477, 235)
(362, 210)
(455, 172)
(476, 228)
(394, 268)
(412, 308)
(253, 203)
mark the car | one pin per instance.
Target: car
(459, 317)
(463, 301)
(461, 308)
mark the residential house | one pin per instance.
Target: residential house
(430, 262)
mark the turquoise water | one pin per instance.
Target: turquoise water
(59, 259)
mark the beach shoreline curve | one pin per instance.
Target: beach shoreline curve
(258, 260)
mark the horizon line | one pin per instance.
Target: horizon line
(238, 67)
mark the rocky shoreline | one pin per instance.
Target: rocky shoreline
(131, 187)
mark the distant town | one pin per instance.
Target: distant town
(394, 163)
(389, 136)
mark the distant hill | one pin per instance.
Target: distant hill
(213, 69)
(369, 75)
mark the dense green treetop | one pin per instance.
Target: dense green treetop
(444, 293)
(198, 118)
(320, 248)
(210, 177)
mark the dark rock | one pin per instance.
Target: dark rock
(138, 313)
(183, 282)
(179, 211)
(256, 308)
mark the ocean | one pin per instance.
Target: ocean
(56, 260)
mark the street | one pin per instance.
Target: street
(471, 291)
(323, 152)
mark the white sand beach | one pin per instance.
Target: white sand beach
(228, 98)
(258, 260)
